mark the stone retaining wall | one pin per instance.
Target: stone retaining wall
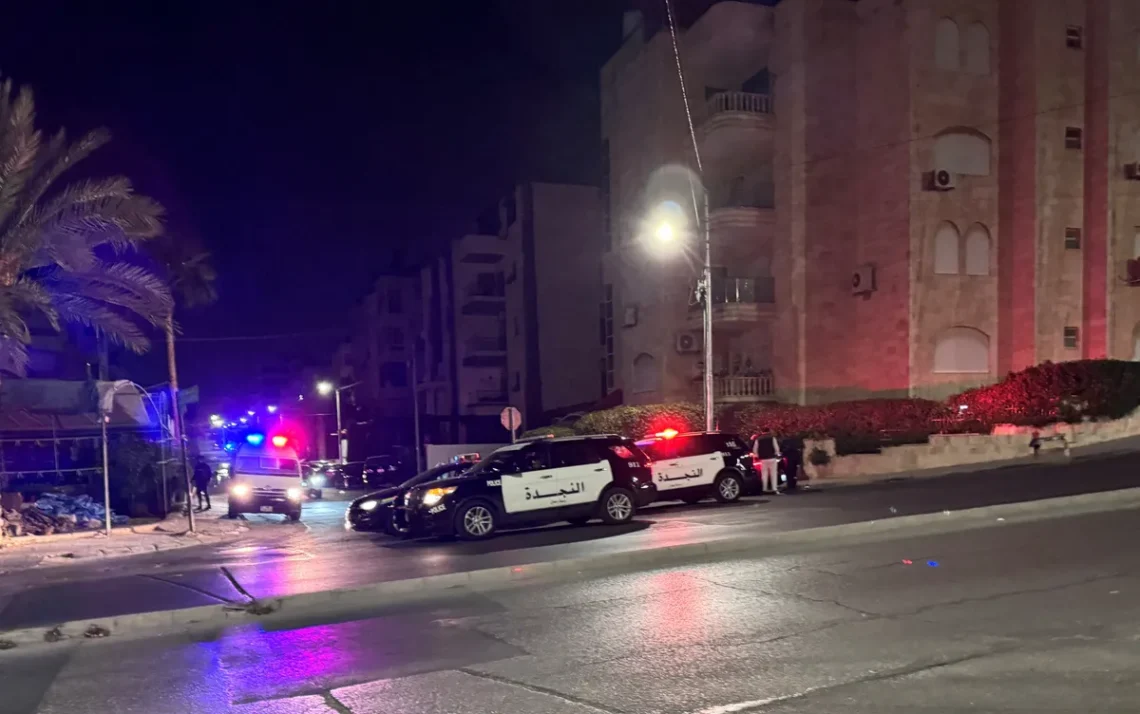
(1006, 443)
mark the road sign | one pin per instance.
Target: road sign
(511, 419)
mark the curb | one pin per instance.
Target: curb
(372, 596)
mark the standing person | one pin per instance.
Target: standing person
(767, 449)
(202, 478)
(793, 451)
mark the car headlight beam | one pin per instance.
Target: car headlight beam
(239, 490)
(294, 494)
(369, 505)
(434, 495)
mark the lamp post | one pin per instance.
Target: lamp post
(667, 228)
(325, 388)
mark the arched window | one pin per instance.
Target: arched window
(946, 250)
(977, 250)
(946, 50)
(645, 377)
(962, 151)
(1136, 343)
(962, 350)
(977, 49)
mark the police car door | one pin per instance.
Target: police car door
(581, 470)
(689, 465)
(531, 482)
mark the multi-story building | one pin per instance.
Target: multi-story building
(553, 284)
(907, 197)
(376, 357)
(462, 352)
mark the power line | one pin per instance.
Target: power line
(252, 338)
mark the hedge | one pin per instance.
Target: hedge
(1044, 394)
(639, 421)
(548, 431)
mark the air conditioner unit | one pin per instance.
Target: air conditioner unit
(688, 342)
(863, 280)
(940, 180)
(1132, 171)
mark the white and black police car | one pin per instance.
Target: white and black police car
(575, 479)
(692, 467)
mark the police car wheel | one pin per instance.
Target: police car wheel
(232, 513)
(617, 506)
(727, 487)
(475, 520)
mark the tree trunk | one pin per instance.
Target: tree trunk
(180, 442)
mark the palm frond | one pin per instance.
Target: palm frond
(19, 146)
(13, 356)
(120, 284)
(117, 327)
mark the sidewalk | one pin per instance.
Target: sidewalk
(173, 532)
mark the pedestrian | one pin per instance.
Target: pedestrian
(767, 450)
(202, 478)
(793, 451)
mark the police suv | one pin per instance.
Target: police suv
(532, 483)
(692, 467)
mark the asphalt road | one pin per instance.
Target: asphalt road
(1039, 617)
(278, 558)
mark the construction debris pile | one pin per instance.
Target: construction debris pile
(55, 513)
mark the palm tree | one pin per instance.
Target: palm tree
(61, 247)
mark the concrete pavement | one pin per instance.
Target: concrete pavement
(1032, 617)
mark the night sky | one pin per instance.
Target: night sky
(319, 144)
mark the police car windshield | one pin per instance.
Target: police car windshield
(496, 462)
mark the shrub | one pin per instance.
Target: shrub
(557, 430)
(870, 417)
(1056, 391)
(638, 421)
(819, 457)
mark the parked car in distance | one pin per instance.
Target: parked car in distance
(533, 483)
(692, 467)
(381, 471)
(374, 511)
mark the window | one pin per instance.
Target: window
(946, 49)
(1136, 242)
(962, 350)
(395, 302)
(645, 377)
(1072, 239)
(977, 49)
(962, 151)
(946, 250)
(977, 250)
(1074, 37)
(1072, 337)
(1073, 137)
(572, 453)
(393, 374)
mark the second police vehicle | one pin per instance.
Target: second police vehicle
(532, 483)
(692, 467)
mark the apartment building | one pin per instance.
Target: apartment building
(908, 197)
(376, 357)
(509, 315)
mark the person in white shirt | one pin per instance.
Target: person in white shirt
(767, 450)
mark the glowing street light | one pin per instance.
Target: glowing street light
(272, 408)
(325, 388)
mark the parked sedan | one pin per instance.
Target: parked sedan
(374, 511)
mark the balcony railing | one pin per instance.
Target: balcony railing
(748, 291)
(751, 388)
(487, 396)
(487, 344)
(739, 102)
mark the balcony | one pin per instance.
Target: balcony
(487, 398)
(485, 352)
(486, 295)
(738, 302)
(736, 123)
(741, 210)
(736, 389)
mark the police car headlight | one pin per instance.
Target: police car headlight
(369, 505)
(239, 490)
(434, 495)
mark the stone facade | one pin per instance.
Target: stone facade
(1029, 107)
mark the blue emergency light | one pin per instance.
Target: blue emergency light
(254, 439)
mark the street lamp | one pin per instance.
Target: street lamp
(666, 224)
(272, 408)
(324, 388)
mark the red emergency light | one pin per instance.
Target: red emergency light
(666, 434)
(280, 441)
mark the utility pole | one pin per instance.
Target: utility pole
(706, 314)
(179, 437)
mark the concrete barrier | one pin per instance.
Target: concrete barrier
(359, 601)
